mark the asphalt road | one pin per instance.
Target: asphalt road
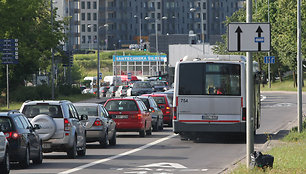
(165, 153)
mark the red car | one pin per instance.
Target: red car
(164, 104)
(130, 114)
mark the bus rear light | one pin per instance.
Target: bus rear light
(243, 114)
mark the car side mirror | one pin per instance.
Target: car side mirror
(36, 126)
(84, 117)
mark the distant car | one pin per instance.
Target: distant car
(159, 85)
(111, 91)
(63, 129)
(104, 90)
(164, 104)
(24, 142)
(4, 153)
(156, 113)
(100, 126)
(130, 114)
(141, 87)
(122, 91)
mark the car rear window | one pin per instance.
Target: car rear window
(121, 105)
(146, 102)
(54, 111)
(142, 85)
(159, 100)
(6, 124)
(87, 110)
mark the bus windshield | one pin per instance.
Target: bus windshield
(209, 79)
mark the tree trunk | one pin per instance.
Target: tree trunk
(280, 75)
(294, 80)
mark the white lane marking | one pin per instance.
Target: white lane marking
(166, 165)
(117, 156)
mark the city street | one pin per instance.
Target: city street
(164, 152)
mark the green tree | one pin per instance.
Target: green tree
(30, 22)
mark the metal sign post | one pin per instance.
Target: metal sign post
(9, 52)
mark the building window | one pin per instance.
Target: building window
(83, 4)
(83, 27)
(83, 16)
(89, 28)
(89, 39)
(158, 5)
(152, 5)
(94, 16)
(95, 28)
(88, 5)
(83, 39)
(204, 5)
(204, 16)
(94, 5)
(88, 16)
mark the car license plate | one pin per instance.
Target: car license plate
(122, 116)
(46, 145)
(209, 117)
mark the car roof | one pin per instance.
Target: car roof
(125, 98)
(155, 95)
(11, 113)
(85, 104)
(52, 102)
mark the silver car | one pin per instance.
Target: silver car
(4, 154)
(62, 128)
(100, 127)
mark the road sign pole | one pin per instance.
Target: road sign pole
(250, 94)
(7, 87)
(269, 70)
(299, 68)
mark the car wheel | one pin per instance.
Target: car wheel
(142, 133)
(149, 132)
(39, 158)
(83, 151)
(113, 140)
(104, 141)
(161, 127)
(72, 152)
(25, 162)
(5, 165)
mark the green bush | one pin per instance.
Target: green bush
(66, 90)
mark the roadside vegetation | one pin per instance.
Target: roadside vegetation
(289, 156)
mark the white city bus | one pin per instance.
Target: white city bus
(210, 95)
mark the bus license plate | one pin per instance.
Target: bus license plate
(209, 117)
(122, 116)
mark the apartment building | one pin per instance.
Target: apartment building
(125, 22)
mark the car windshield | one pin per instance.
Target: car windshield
(6, 124)
(142, 85)
(160, 100)
(54, 111)
(121, 105)
(158, 83)
(87, 110)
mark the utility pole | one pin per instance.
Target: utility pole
(299, 68)
(98, 52)
(249, 94)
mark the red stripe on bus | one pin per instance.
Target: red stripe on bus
(226, 121)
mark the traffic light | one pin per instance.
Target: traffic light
(159, 78)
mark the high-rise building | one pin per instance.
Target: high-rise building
(124, 22)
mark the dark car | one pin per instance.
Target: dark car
(159, 86)
(100, 126)
(156, 113)
(130, 115)
(140, 88)
(24, 142)
(111, 91)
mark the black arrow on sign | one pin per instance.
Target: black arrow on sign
(259, 31)
(238, 30)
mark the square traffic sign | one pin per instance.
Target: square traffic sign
(249, 37)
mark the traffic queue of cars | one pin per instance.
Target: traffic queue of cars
(62, 126)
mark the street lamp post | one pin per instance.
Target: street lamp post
(52, 60)
(98, 52)
(135, 16)
(202, 27)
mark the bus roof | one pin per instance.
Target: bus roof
(238, 58)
